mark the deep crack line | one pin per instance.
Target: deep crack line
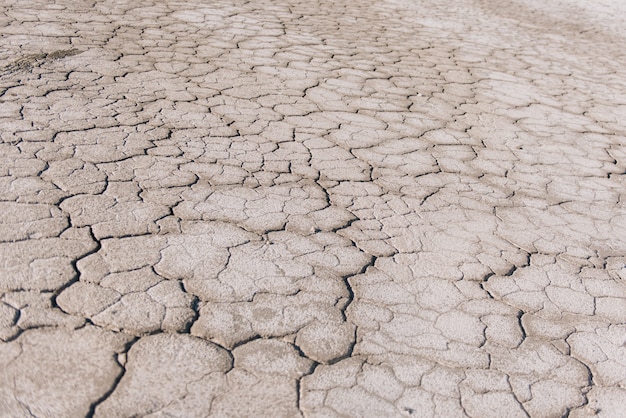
(116, 382)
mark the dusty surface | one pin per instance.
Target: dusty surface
(331, 208)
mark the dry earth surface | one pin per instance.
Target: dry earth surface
(317, 208)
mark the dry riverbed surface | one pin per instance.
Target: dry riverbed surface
(312, 208)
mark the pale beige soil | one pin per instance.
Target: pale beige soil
(312, 208)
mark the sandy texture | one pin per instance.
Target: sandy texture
(330, 208)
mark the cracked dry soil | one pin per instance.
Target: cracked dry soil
(327, 208)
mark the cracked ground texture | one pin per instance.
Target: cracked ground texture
(312, 208)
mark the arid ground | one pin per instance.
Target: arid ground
(282, 208)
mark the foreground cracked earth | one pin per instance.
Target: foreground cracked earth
(330, 208)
